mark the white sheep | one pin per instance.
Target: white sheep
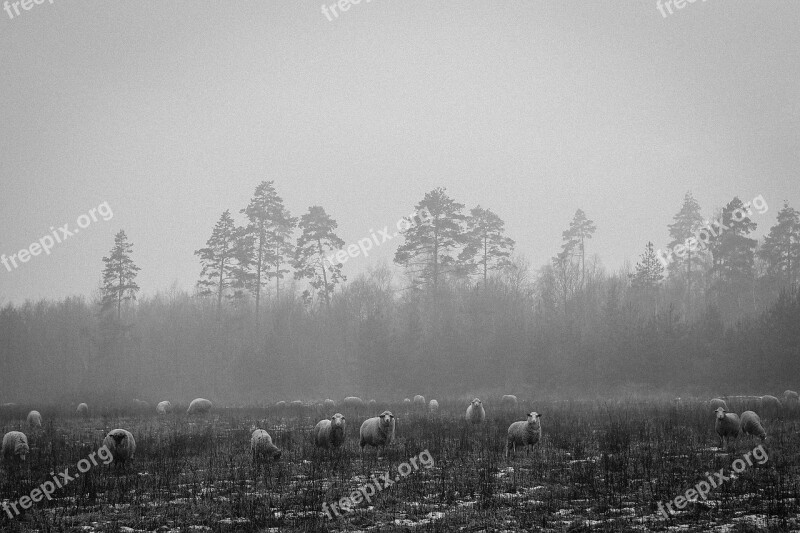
(751, 425)
(475, 412)
(164, 407)
(262, 448)
(715, 403)
(121, 444)
(419, 401)
(770, 405)
(407, 401)
(524, 433)
(140, 404)
(15, 445)
(790, 396)
(353, 401)
(297, 403)
(433, 406)
(329, 433)
(372, 403)
(377, 431)
(82, 409)
(727, 425)
(34, 419)
(328, 404)
(509, 401)
(281, 404)
(199, 406)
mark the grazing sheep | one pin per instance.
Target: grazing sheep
(353, 401)
(790, 396)
(82, 409)
(34, 419)
(433, 406)
(329, 404)
(262, 448)
(372, 403)
(406, 401)
(121, 444)
(199, 406)
(329, 433)
(377, 431)
(727, 425)
(770, 404)
(475, 412)
(15, 445)
(509, 401)
(714, 403)
(751, 425)
(164, 407)
(281, 404)
(419, 401)
(526, 433)
(141, 404)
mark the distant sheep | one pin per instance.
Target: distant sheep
(727, 425)
(790, 396)
(751, 425)
(329, 433)
(419, 401)
(526, 433)
(262, 448)
(15, 446)
(433, 406)
(407, 401)
(353, 401)
(164, 407)
(121, 444)
(141, 404)
(329, 404)
(199, 406)
(281, 404)
(509, 401)
(34, 419)
(372, 403)
(714, 403)
(82, 409)
(377, 431)
(770, 404)
(475, 412)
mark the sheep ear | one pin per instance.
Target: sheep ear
(538, 415)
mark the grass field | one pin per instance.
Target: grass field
(600, 466)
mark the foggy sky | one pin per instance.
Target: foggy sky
(174, 111)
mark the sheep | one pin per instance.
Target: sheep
(34, 419)
(353, 401)
(526, 433)
(199, 406)
(121, 444)
(140, 404)
(82, 409)
(407, 401)
(509, 401)
(164, 407)
(751, 425)
(329, 404)
(329, 433)
(297, 403)
(377, 431)
(15, 445)
(262, 448)
(790, 396)
(433, 406)
(372, 403)
(770, 404)
(475, 412)
(714, 403)
(419, 401)
(727, 425)
(281, 404)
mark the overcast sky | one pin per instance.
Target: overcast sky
(173, 112)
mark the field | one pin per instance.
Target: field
(600, 466)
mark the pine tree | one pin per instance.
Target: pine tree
(269, 230)
(687, 222)
(429, 250)
(733, 255)
(486, 247)
(649, 270)
(222, 260)
(580, 229)
(316, 242)
(781, 248)
(119, 275)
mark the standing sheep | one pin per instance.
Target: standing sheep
(34, 419)
(329, 433)
(790, 396)
(526, 433)
(475, 412)
(714, 403)
(141, 404)
(121, 444)
(751, 425)
(377, 431)
(433, 406)
(509, 401)
(15, 445)
(262, 448)
(199, 406)
(770, 405)
(82, 410)
(281, 404)
(419, 401)
(164, 407)
(727, 425)
(329, 404)
(407, 401)
(353, 401)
